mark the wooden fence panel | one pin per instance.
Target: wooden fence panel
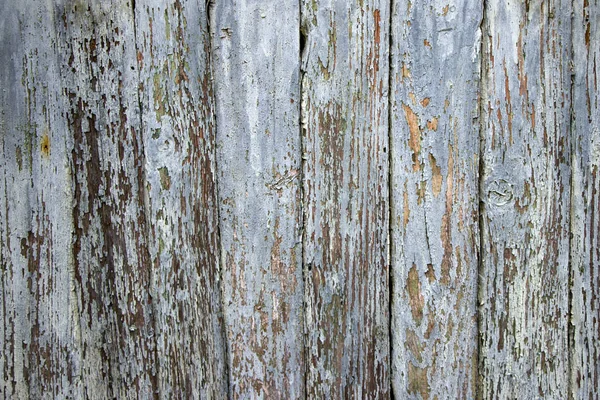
(585, 245)
(40, 352)
(97, 53)
(345, 143)
(525, 191)
(435, 185)
(179, 132)
(256, 71)
(299, 199)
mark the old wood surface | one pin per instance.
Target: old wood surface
(585, 247)
(256, 70)
(299, 199)
(525, 195)
(435, 167)
(40, 339)
(345, 145)
(176, 97)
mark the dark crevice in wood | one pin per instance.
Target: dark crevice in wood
(481, 205)
(210, 18)
(143, 188)
(306, 267)
(390, 197)
(570, 323)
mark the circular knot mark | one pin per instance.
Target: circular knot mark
(500, 192)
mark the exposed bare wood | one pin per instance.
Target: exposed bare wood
(525, 193)
(256, 70)
(177, 100)
(345, 143)
(435, 184)
(585, 207)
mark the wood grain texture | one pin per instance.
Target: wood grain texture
(256, 69)
(585, 214)
(98, 63)
(525, 193)
(435, 185)
(39, 341)
(177, 100)
(345, 145)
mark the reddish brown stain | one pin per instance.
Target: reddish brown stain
(414, 141)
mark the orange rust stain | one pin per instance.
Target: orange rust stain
(416, 300)
(433, 124)
(436, 176)
(426, 43)
(415, 134)
(425, 101)
(417, 381)
(445, 10)
(405, 72)
(45, 145)
(413, 98)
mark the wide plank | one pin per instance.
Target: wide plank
(435, 197)
(585, 207)
(525, 194)
(255, 47)
(346, 200)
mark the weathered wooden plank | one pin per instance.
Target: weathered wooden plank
(179, 145)
(39, 355)
(435, 184)
(256, 71)
(585, 224)
(525, 193)
(345, 143)
(96, 48)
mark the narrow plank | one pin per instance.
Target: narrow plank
(525, 192)
(96, 48)
(346, 207)
(179, 145)
(256, 71)
(435, 185)
(585, 214)
(40, 352)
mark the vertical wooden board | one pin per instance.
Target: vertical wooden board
(98, 65)
(525, 194)
(179, 144)
(345, 143)
(256, 71)
(585, 214)
(435, 184)
(39, 346)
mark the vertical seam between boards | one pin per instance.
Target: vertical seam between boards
(571, 127)
(210, 11)
(478, 379)
(390, 252)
